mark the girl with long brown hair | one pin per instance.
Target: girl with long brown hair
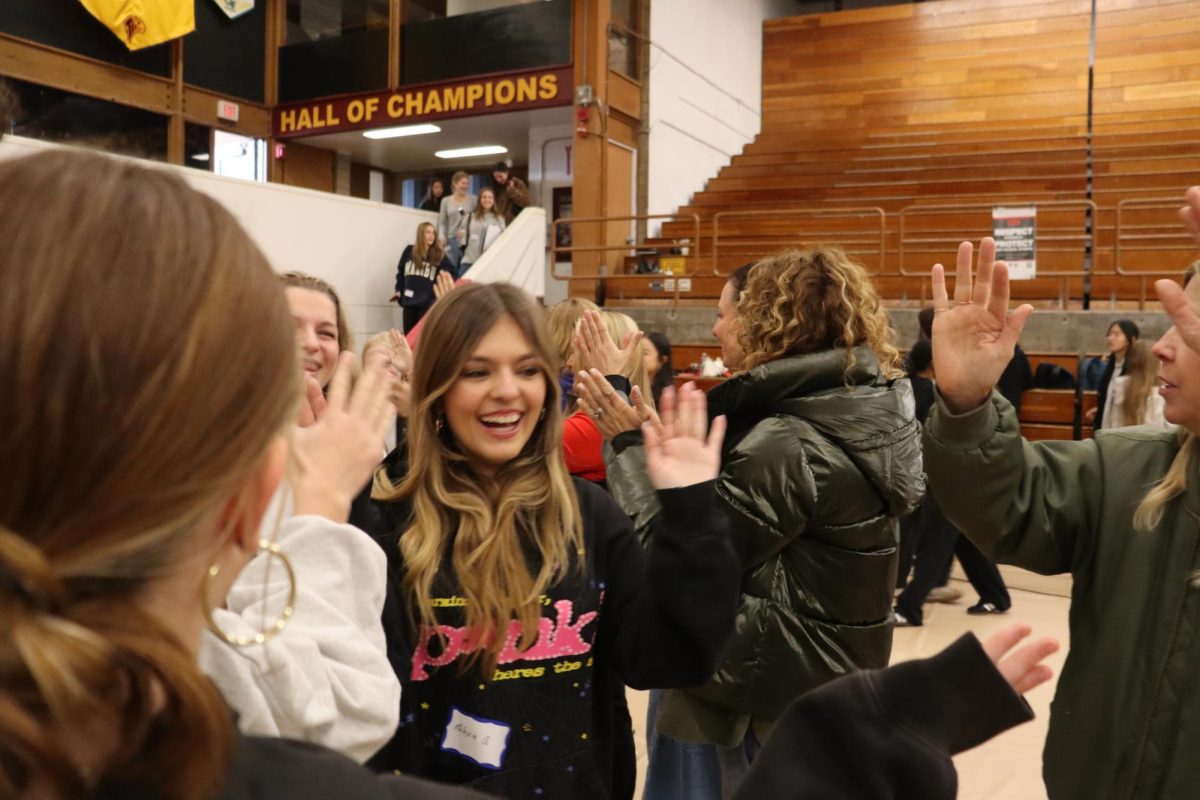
(518, 594)
(1134, 398)
(139, 454)
(418, 270)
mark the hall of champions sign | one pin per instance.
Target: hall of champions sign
(1015, 232)
(426, 103)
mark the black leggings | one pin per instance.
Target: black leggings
(412, 315)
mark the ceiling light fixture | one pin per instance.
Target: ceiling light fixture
(200, 157)
(468, 152)
(403, 130)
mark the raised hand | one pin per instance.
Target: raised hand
(685, 451)
(401, 367)
(645, 411)
(1023, 669)
(333, 459)
(1190, 213)
(443, 285)
(600, 401)
(595, 349)
(973, 339)
(312, 405)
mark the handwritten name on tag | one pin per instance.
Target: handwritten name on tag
(480, 740)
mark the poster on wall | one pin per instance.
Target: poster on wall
(235, 8)
(1014, 230)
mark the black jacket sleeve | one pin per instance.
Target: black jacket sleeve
(668, 612)
(405, 257)
(887, 733)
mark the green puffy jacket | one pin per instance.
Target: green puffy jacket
(816, 468)
(1125, 722)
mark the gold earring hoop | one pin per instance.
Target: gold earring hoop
(274, 630)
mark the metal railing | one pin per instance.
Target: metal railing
(1141, 226)
(844, 239)
(1156, 236)
(627, 248)
(1057, 239)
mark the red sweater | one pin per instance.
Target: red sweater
(582, 445)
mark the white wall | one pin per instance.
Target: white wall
(354, 244)
(696, 127)
(543, 179)
(456, 7)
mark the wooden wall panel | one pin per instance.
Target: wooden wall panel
(308, 167)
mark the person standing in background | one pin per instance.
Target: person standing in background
(454, 218)
(656, 351)
(417, 272)
(433, 196)
(512, 193)
(1133, 398)
(1121, 334)
(479, 229)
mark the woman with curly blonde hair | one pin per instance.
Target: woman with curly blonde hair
(821, 458)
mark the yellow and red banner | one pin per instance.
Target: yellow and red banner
(427, 102)
(144, 23)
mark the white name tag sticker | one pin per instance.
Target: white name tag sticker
(408, 292)
(480, 740)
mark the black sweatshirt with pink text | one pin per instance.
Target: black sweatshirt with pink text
(541, 724)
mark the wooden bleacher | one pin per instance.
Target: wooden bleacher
(932, 113)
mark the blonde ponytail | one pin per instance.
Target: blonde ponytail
(1150, 512)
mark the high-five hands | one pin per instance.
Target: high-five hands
(595, 349)
(973, 337)
(613, 416)
(685, 451)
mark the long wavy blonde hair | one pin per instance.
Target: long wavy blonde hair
(809, 300)
(485, 524)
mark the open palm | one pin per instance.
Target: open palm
(684, 451)
(973, 339)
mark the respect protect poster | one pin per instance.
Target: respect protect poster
(1015, 230)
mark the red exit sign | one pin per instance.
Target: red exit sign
(227, 110)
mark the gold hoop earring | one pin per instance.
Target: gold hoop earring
(269, 633)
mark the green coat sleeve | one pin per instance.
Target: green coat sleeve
(765, 481)
(1032, 504)
(630, 487)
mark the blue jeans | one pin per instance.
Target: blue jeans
(690, 771)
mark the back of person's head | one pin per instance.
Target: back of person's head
(529, 502)
(807, 301)
(561, 323)
(302, 280)
(925, 321)
(133, 415)
(920, 357)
